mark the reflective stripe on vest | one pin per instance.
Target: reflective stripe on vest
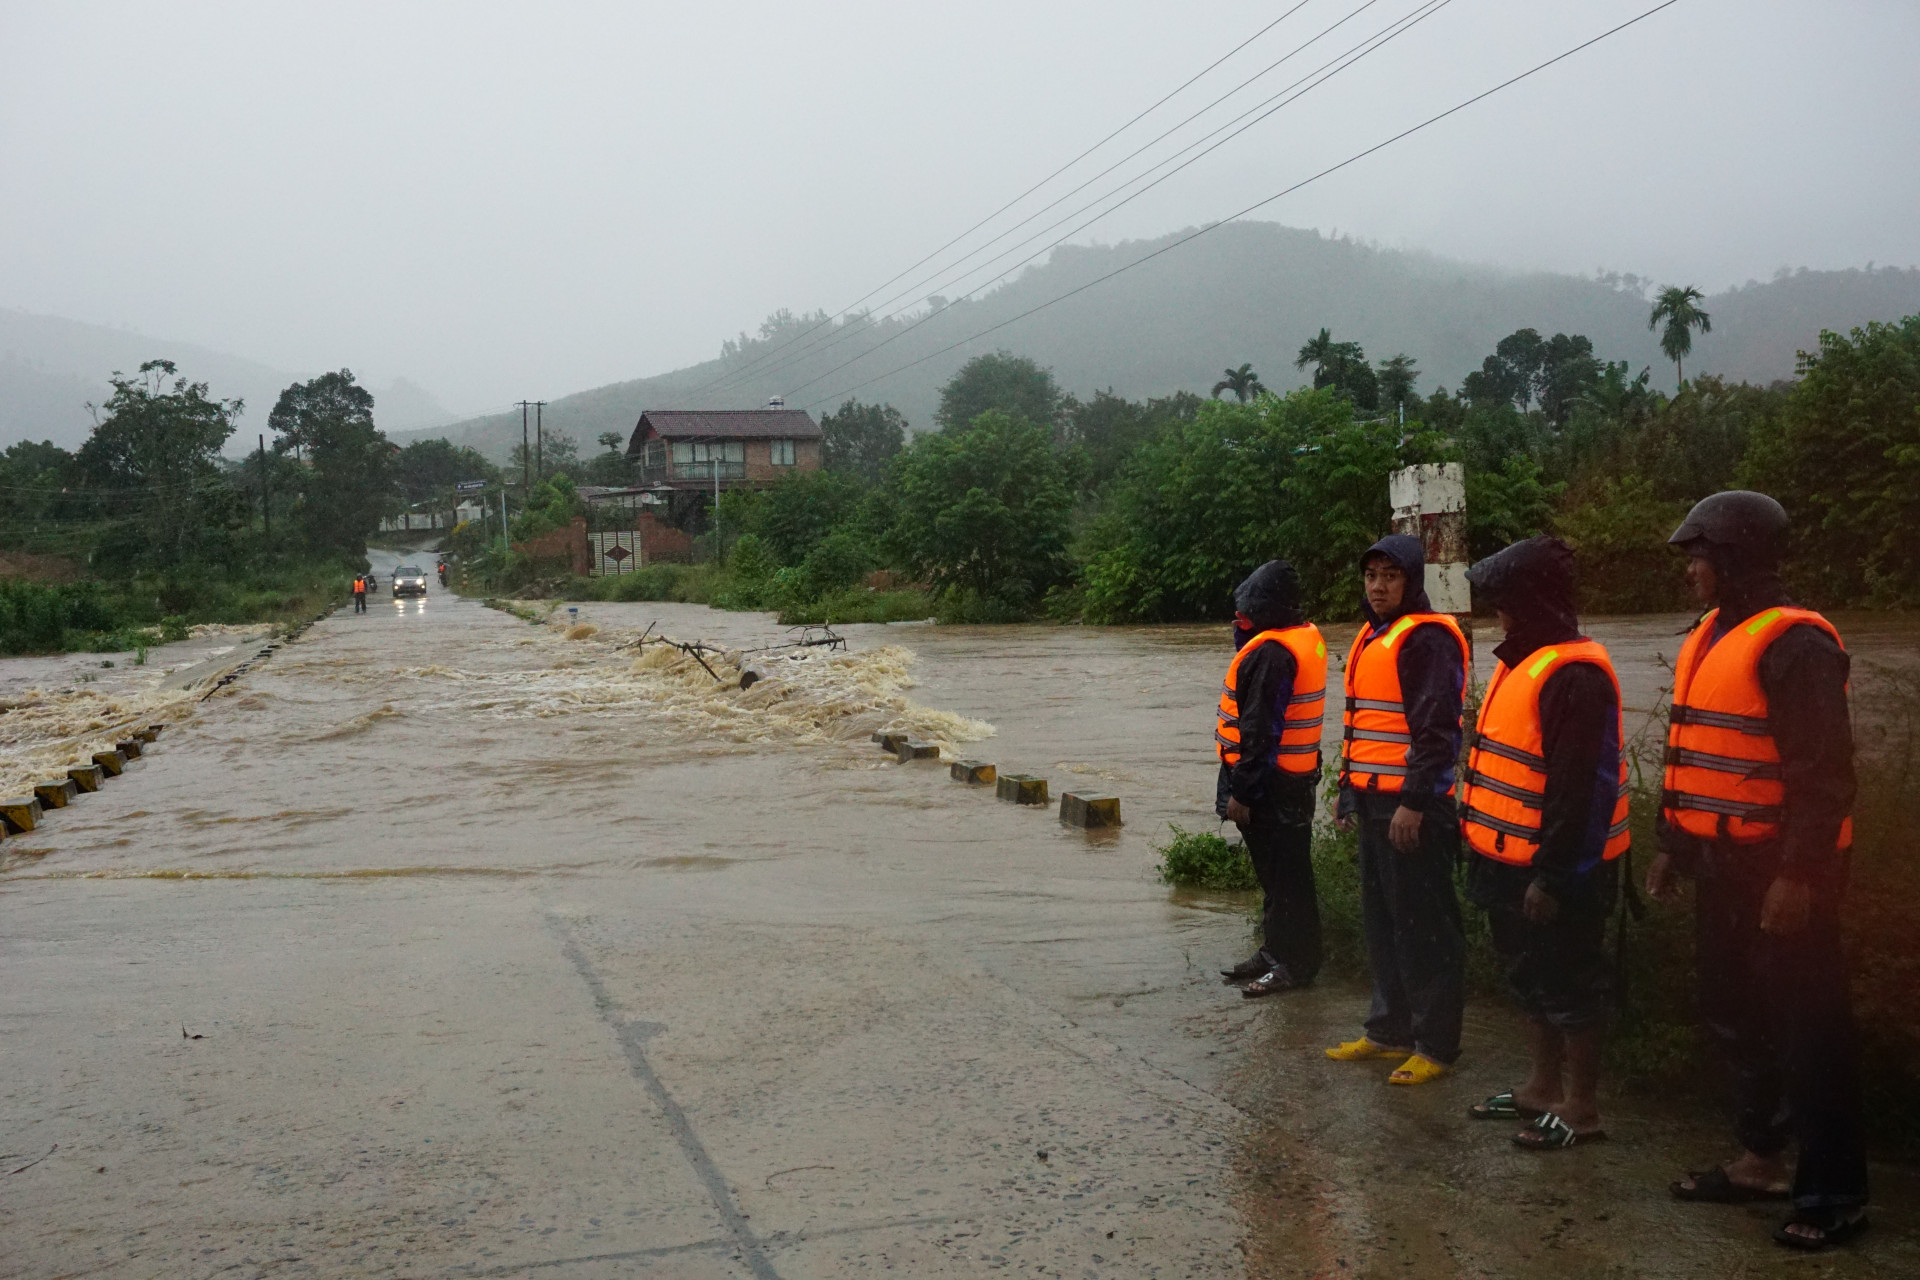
(1374, 747)
(1505, 788)
(1296, 747)
(1723, 779)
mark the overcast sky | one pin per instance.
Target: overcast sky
(501, 200)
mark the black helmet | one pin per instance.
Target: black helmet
(1749, 528)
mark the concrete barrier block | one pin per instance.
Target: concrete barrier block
(20, 815)
(156, 729)
(890, 740)
(145, 735)
(56, 795)
(973, 773)
(87, 777)
(129, 748)
(907, 749)
(1078, 810)
(1021, 788)
(114, 762)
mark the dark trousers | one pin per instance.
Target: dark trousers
(1558, 971)
(1779, 1009)
(359, 602)
(1415, 945)
(1290, 917)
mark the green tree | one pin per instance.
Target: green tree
(557, 454)
(1397, 377)
(860, 439)
(984, 513)
(1108, 428)
(795, 514)
(1618, 530)
(1678, 306)
(349, 483)
(1243, 382)
(1568, 370)
(158, 451)
(1509, 375)
(1507, 504)
(1204, 502)
(1341, 366)
(429, 471)
(611, 466)
(1843, 456)
(1003, 382)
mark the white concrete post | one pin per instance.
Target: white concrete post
(1430, 503)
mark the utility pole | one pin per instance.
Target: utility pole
(526, 453)
(266, 516)
(539, 442)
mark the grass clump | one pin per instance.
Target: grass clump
(1204, 860)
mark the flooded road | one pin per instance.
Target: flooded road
(442, 944)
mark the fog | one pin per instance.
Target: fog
(498, 201)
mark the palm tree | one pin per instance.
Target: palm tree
(1321, 352)
(1676, 305)
(1243, 382)
(1397, 376)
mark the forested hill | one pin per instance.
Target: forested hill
(1250, 291)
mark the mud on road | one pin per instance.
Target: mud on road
(443, 944)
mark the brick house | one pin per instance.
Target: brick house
(687, 450)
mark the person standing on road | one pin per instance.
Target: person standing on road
(1758, 790)
(1543, 807)
(1405, 681)
(360, 593)
(1272, 706)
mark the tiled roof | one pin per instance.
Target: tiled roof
(729, 424)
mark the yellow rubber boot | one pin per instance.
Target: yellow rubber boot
(1362, 1049)
(1418, 1070)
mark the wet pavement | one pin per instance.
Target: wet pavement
(444, 945)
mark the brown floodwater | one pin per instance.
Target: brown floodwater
(445, 944)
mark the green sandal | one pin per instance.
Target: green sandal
(1502, 1106)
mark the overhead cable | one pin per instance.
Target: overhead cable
(1257, 205)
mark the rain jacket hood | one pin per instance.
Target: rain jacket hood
(1270, 599)
(1533, 582)
(1405, 551)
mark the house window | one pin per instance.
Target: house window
(783, 453)
(703, 460)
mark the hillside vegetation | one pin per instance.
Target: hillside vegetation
(1246, 292)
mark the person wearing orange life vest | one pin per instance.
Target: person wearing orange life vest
(1267, 736)
(1405, 681)
(1758, 788)
(1543, 808)
(360, 593)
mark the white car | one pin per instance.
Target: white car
(409, 580)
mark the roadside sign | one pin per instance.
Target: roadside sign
(470, 486)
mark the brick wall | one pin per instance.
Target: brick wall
(660, 542)
(761, 469)
(559, 550)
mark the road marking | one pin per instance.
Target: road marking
(632, 1037)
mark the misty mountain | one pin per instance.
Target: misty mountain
(52, 368)
(1247, 291)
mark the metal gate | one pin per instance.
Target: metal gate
(615, 551)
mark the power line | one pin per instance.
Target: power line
(1162, 101)
(1365, 48)
(1258, 204)
(847, 331)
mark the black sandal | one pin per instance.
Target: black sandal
(1273, 980)
(1550, 1133)
(1502, 1106)
(1832, 1224)
(1713, 1186)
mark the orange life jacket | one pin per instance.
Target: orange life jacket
(359, 586)
(1297, 746)
(1723, 779)
(1506, 780)
(1377, 733)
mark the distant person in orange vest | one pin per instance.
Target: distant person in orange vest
(1543, 807)
(1272, 705)
(1758, 791)
(1405, 682)
(360, 593)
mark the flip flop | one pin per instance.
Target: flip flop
(1833, 1229)
(1502, 1106)
(1713, 1186)
(1551, 1133)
